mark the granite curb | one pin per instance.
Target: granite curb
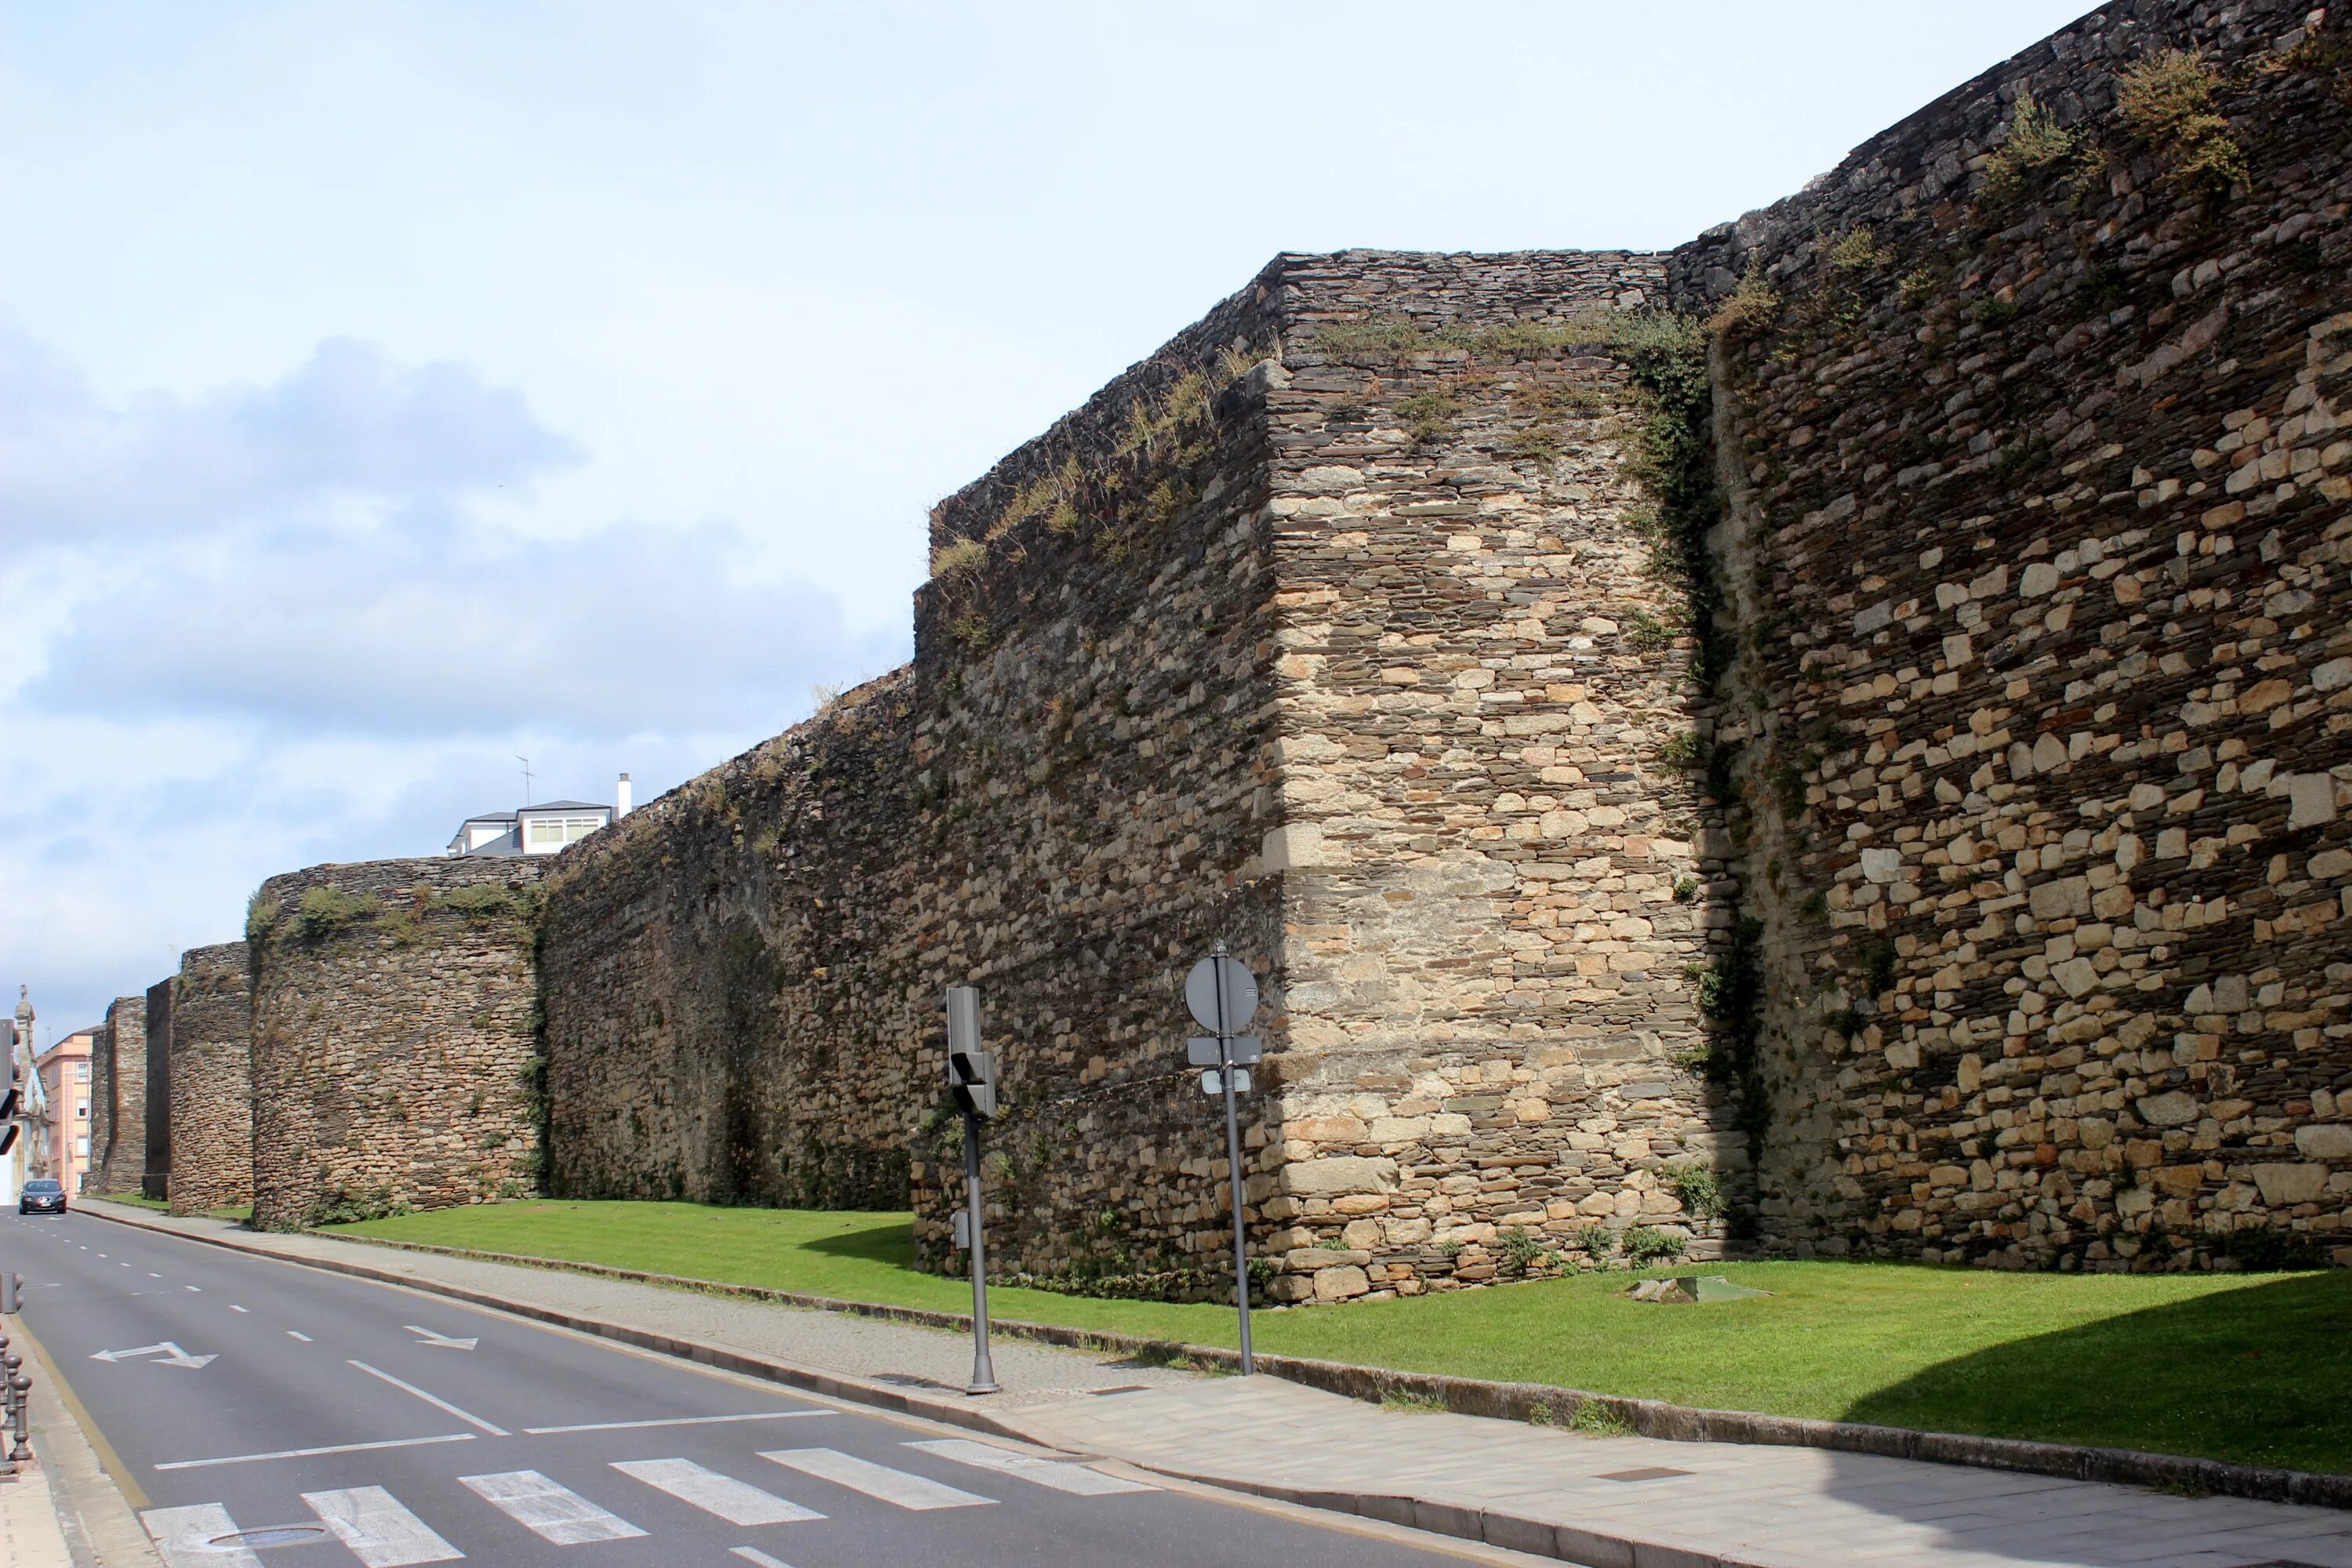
(1523, 1401)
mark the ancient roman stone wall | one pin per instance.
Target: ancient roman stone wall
(211, 1095)
(118, 1098)
(1061, 800)
(1330, 630)
(395, 1025)
(101, 1088)
(1494, 901)
(1863, 775)
(155, 1168)
(2041, 508)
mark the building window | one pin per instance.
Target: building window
(81, 1110)
(81, 1147)
(563, 829)
(81, 1072)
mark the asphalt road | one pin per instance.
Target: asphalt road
(347, 1420)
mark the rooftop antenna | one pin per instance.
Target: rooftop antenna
(526, 777)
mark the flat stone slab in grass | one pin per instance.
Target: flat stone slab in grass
(1688, 1288)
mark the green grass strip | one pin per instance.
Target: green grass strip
(2248, 1368)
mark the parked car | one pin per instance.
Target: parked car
(42, 1195)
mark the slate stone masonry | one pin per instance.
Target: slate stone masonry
(2033, 423)
(394, 1046)
(118, 1099)
(1917, 825)
(211, 1083)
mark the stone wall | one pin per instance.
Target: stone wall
(118, 1099)
(1329, 630)
(1061, 800)
(1863, 775)
(155, 1169)
(2028, 418)
(1493, 905)
(395, 1025)
(211, 1078)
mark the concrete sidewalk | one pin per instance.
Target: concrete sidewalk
(30, 1535)
(1612, 1502)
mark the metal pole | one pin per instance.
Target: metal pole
(1241, 1236)
(983, 1375)
(1233, 1164)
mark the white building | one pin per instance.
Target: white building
(539, 829)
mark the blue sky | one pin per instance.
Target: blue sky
(391, 389)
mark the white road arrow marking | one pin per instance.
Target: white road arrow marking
(172, 1354)
(440, 1341)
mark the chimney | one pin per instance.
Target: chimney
(621, 799)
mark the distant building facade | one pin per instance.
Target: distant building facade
(64, 1068)
(540, 829)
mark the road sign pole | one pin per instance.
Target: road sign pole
(983, 1374)
(1227, 1026)
(971, 1078)
(1240, 1236)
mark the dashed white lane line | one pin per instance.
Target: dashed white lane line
(552, 1513)
(435, 1400)
(676, 1421)
(197, 1289)
(296, 1334)
(233, 1308)
(895, 1487)
(184, 1537)
(379, 1531)
(314, 1453)
(154, 1276)
(737, 1502)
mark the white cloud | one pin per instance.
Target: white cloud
(75, 469)
(264, 626)
(423, 625)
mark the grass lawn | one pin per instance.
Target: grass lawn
(2248, 1367)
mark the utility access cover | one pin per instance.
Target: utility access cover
(1222, 993)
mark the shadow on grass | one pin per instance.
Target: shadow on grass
(888, 1241)
(2255, 1376)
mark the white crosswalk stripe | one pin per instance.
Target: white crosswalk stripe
(552, 1513)
(181, 1534)
(1059, 1474)
(737, 1502)
(379, 1531)
(895, 1487)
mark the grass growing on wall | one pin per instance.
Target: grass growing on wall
(2242, 1367)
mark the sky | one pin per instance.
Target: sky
(391, 391)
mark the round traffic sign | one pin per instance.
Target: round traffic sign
(1222, 994)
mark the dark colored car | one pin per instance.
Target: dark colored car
(42, 1195)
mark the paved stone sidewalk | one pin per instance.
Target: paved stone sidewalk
(30, 1536)
(1534, 1488)
(1732, 1502)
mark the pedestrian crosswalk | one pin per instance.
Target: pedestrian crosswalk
(382, 1530)
(737, 1502)
(552, 1513)
(379, 1531)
